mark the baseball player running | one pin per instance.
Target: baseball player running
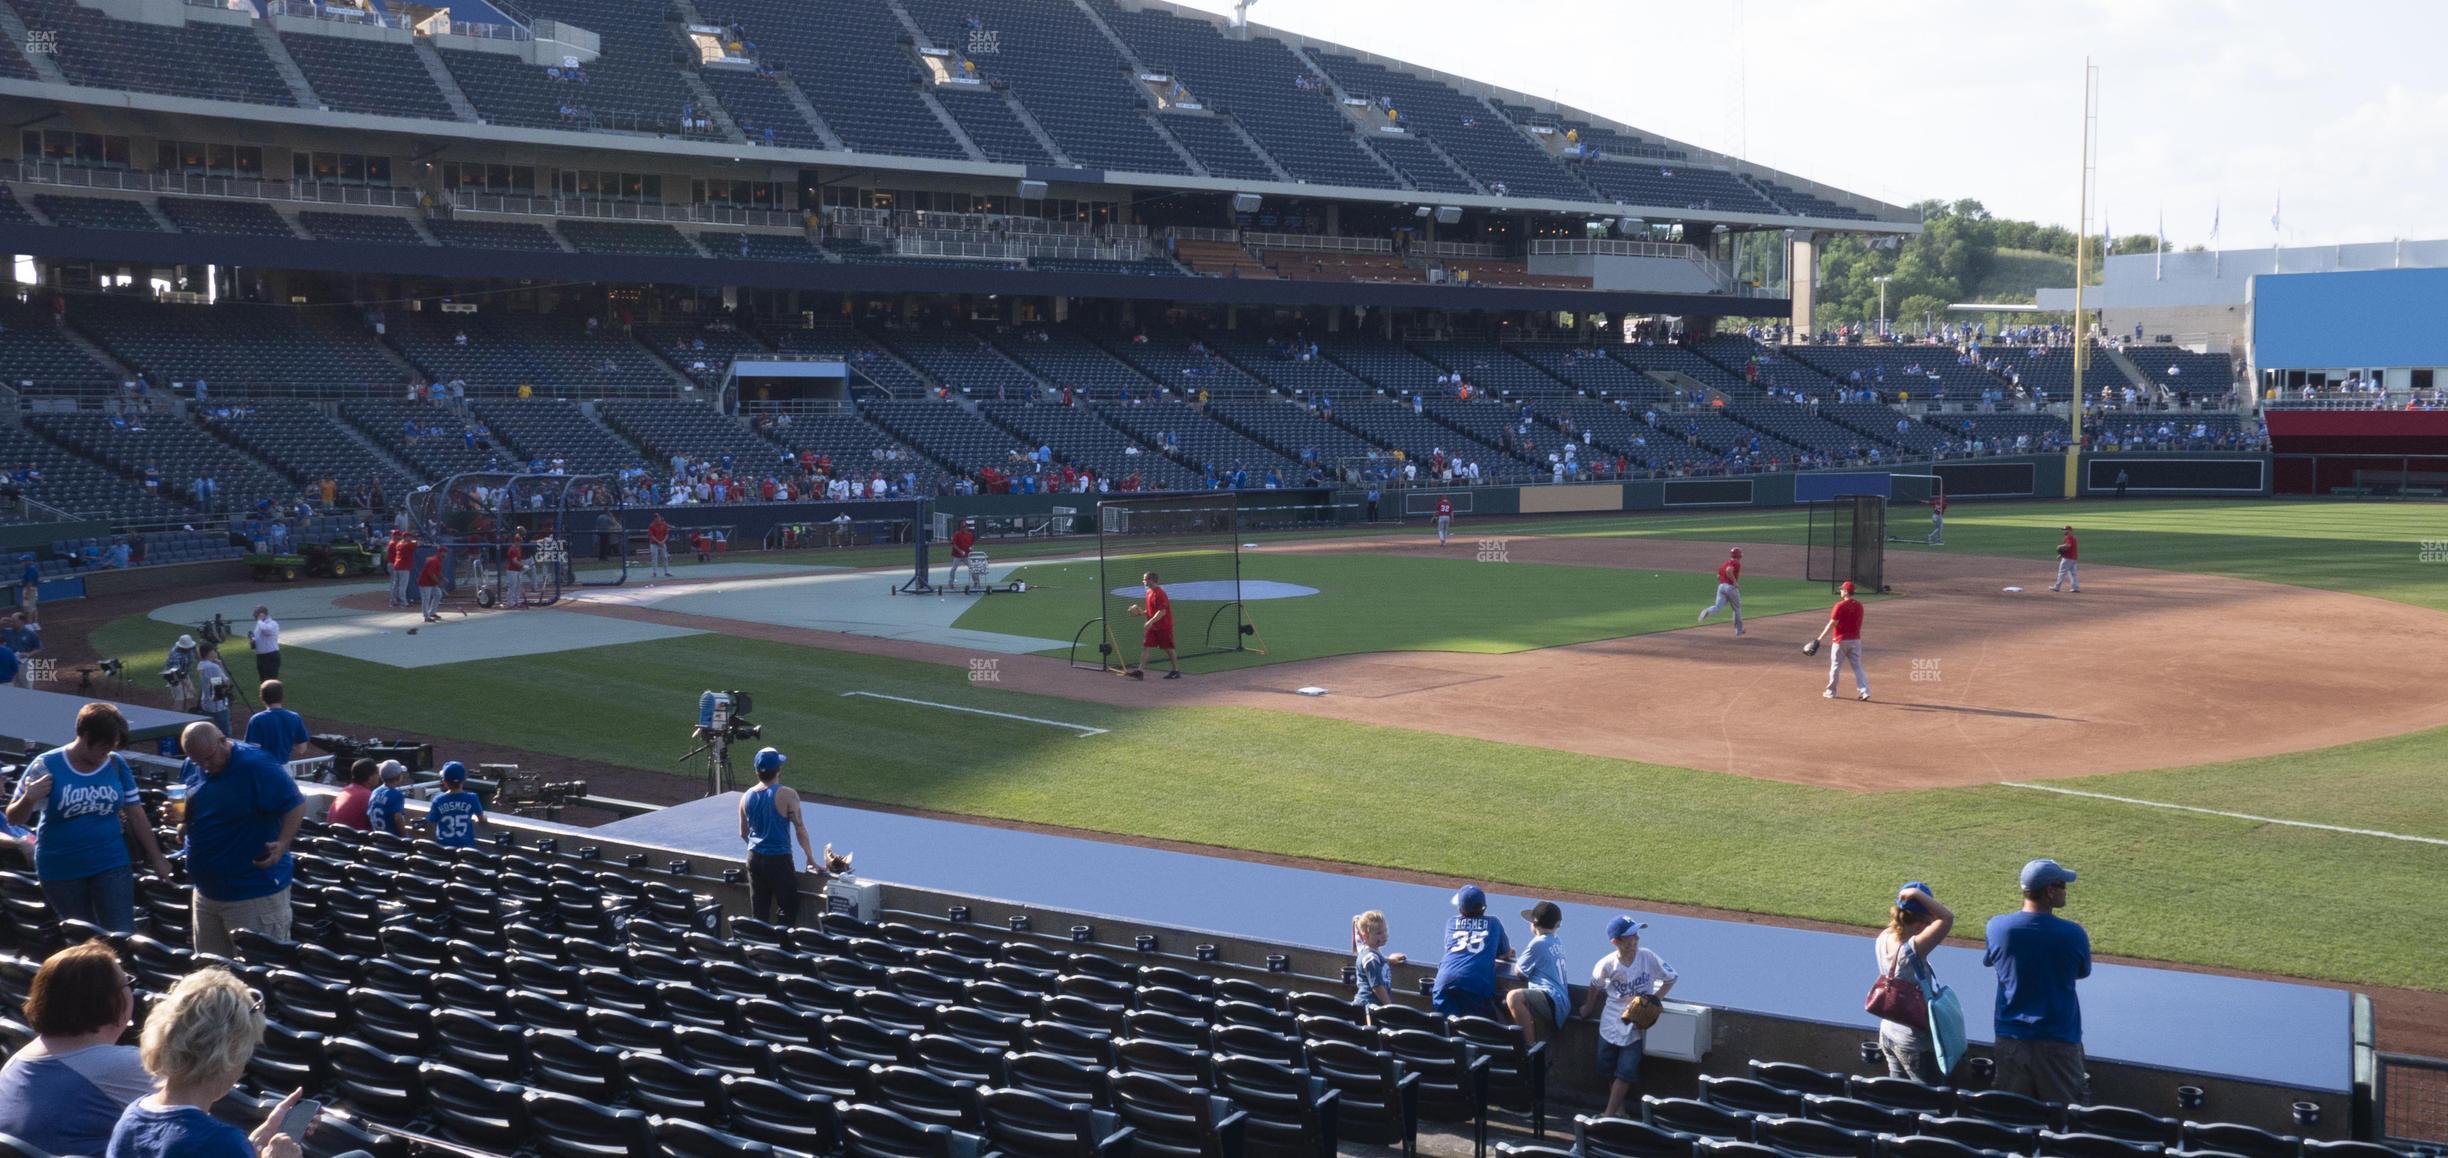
(1845, 620)
(1937, 507)
(2067, 570)
(1444, 517)
(1729, 590)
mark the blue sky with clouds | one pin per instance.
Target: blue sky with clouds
(2225, 103)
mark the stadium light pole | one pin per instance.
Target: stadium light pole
(2082, 243)
(1882, 281)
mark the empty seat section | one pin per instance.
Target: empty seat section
(37, 357)
(306, 444)
(1183, 363)
(851, 66)
(960, 361)
(1082, 439)
(949, 432)
(464, 233)
(245, 218)
(428, 436)
(1490, 366)
(202, 60)
(1419, 164)
(633, 86)
(669, 427)
(1483, 143)
(180, 451)
(1064, 70)
(1674, 185)
(763, 112)
(1064, 357)
(558, 434)
(240, 348)
(620, 237)
(71, 212)
(1204, 442)
(1221, 150)
(1252, 81)
(374, 227)
(992, 126)
(381, 77)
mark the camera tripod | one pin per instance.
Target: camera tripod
(716, 747)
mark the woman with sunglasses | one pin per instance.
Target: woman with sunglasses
(197, 1041)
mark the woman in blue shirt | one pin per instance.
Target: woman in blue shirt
(197, 1040)
(65, 1091)
(85, 799)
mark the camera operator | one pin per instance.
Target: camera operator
(213, 687)
(769, 816)
(276, 729)
(178, 672)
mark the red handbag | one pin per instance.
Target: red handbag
(1898, 1001)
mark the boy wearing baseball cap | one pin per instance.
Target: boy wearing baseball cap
(769, 816)
(1545, 997)
(456, 812)
(387, 806)
(1629, 972)
(2039, 956)
(1474, 944)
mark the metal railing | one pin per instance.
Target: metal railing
(604, 209)
(1310, 241)
(306, 9)
(1613, 247)
(2340, 402)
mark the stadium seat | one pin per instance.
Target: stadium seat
(2233, 1138)
(1378, 1102)
(1289, 1110)
(1804, 1137)
(721, 1051)
(1750, 1096)
(1925, 1146)
(568, 1127)
(1250, 1041)
(1061, 1078)
(2010, 1109)
(473, 1110)
(680, 1138)
(1517, 1073)
(566, 1063)
(669, 1086)
(778, 1115)
(1598, 1137)
(385, 1088)
(2055, 1145)
(287, 1059)
(927, 1097)
(480, 1046)
(1699, 1119)
(1027, 1124)
(1171, 1120)
(956, 1060)
(1981, 1133)
(1902, 1094)
(1855, 1114)
(2123, 1123)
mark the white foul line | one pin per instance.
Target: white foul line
(2232, 815)
(1083, 729)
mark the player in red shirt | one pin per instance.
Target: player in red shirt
(1729, 590)
(1444, 518)
(514, 575)
(2067, 572)
(658, 547)
(429, 585)
(962, 541)
(1937, 507)
(1159, 633)
(399, 557)
(1845, 621)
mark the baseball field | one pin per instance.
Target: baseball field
(2249, 703)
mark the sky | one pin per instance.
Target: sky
(2332, 117)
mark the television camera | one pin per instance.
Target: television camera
(722, 720)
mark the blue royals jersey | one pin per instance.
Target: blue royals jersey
(385, 803)
(454, 818)
(1472, 945)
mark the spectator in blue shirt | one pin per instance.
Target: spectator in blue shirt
(276, 729)
(456, 812)
(243, 811)
(85, 797)
(9, 667)
(387, 808)
(23, 637)
(65, 1092)
(2039, 956)
(1474, 945)
(29, 584)
(1372, 966)
(197, 1040)
(1545, 998)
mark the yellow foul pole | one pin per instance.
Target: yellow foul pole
(2082, 246)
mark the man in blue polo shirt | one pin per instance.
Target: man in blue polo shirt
(1474, 944)
(456, 812)
(2039, 956)
(243, 811)
(276, 729)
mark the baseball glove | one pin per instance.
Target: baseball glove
(2061, 550)
(1642, 1011)
(1811, 648)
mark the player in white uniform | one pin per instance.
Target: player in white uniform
(1729, 590)
(1444, 517)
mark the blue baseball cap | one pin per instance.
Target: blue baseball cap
(1914, 906)
(2044, 872)
(1470, 899)
(770, 759)
(1623, 926)
(454, 772)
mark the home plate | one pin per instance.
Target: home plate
(2014, 590)
(1310, 691)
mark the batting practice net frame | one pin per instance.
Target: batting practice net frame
(1847, 541)
(1186, 539)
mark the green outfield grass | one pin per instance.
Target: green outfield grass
(1371, 603)
(2156, 884)
(2161, 885)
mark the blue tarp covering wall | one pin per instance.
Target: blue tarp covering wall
(2350, 320)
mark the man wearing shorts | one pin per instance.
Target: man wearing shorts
(2067, 572)
(1158, 609)
(2038, 957)
(1630, 971)
(1444, 517)
(1729, 590)
(1545, 997)
(1845, 621)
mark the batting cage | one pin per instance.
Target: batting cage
(1192, 543)
(1848, 541)
(473, 519)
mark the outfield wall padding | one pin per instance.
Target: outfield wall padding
(1572, 497)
